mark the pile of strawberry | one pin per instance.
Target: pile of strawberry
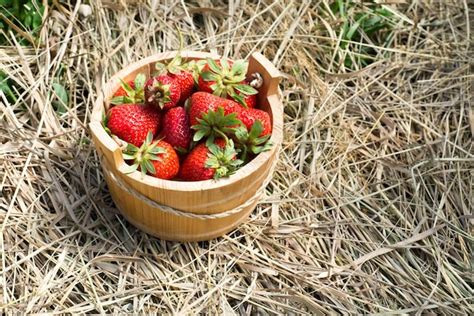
(190, 121)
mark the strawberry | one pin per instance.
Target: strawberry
(155, 158)
(250, 116)
(131, 91)
(185, 80)
(216, 161)
(205, 85)
(250, 141)
(212, 116)
(162, 91)
(182, 73)
(250, 100)
(132, 122)
(202, 102)
(176, 128)
(226, 79)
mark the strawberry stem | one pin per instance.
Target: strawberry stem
(243, 156)
(223, 160)
(221, 134)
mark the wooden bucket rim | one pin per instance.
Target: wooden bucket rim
(119, 164)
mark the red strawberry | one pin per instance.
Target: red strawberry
(249, 116)
(183, 73)
(250, 100)
(226, 79)
(176, 128)
(185, 80)
(216, 161)
(202, 102)
(212, 116)
(155, 158)
(130, 92)
(132, 122)
(167, 164)
(205, 85)
(162, 91)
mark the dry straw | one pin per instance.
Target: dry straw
(370, 207)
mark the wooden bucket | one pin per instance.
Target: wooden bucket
(188, 211)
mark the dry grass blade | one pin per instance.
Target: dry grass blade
(370, 208)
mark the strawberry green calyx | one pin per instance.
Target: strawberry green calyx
(227, 80)
(174, 66)
(159, 93)
(223, 160)
(105, 123)
(250, 141)
(215, 124)
(142, 156)
(133, 94)
(195, 67)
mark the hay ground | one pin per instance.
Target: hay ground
(370, 208)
